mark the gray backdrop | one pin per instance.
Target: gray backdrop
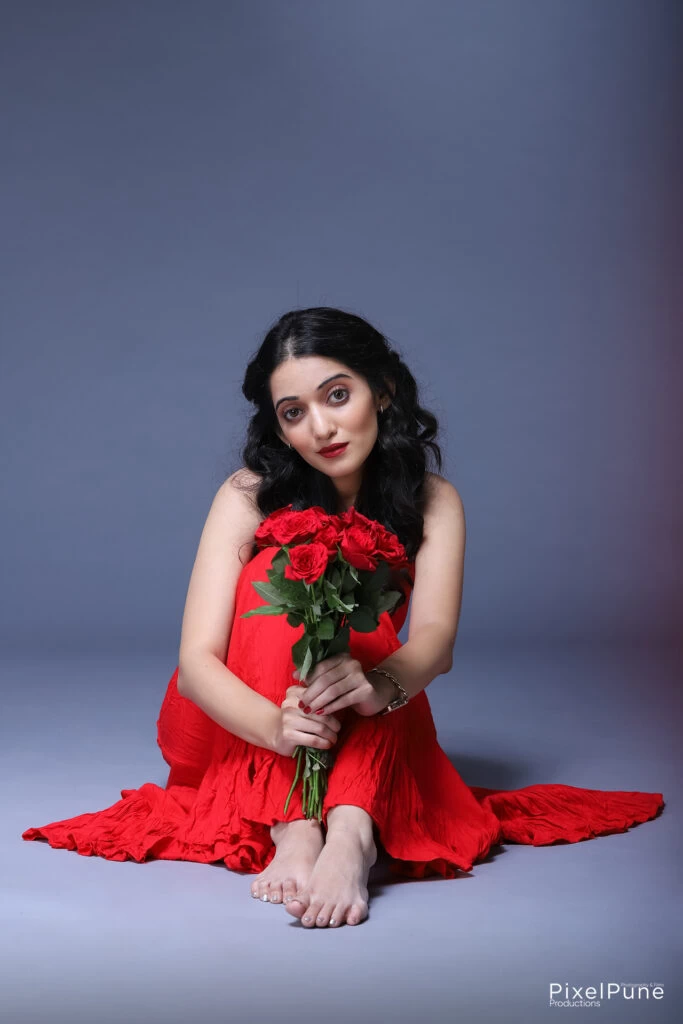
(497, 187)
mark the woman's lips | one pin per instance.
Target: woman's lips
(335, 451)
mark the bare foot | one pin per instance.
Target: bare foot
(297, 847)
(337, 891)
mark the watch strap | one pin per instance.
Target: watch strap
(401, 697)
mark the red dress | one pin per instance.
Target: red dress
(223, 793)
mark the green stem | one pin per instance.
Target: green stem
(297, 753)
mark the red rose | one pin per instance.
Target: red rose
(307, 562)
(391, 550)
(352, 517)
(371, 542)
(330, 535)
(285, 525)
(358, 545)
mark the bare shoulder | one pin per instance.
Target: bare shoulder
(227, 537)
(439, 563)
(237, 494)
(441, 497)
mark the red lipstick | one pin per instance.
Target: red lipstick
(333, 450)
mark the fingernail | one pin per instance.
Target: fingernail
(301, 704)
(321, 711)
(307, 710)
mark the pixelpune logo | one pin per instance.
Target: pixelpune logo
(564, 994)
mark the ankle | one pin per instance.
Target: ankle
(356, 831)
(299, 826)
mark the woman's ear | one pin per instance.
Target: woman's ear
(389, 392)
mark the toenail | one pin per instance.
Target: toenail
(264, 898)
(332, 921)
(321, 917)
(307, 919)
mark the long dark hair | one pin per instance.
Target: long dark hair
(392, 489)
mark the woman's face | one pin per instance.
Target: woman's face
(320, 402)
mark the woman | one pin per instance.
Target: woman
(233, 716)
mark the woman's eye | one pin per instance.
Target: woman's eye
(295, 408)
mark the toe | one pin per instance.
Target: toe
(275, 892)
(263, 891)
(338, 915)
(312, 911)
(323, 918)
(289, 888)
(356, 914)
(297, 906)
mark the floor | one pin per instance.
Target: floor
(88, 940)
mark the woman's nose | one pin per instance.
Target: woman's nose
(322, 427)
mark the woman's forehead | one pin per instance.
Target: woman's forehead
(305, 375)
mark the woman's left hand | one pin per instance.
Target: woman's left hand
(339, 682)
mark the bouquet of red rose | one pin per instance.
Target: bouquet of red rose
(331, 574)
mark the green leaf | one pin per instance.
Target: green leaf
(315, 648)
(334, 601)
(388, 601)
(363, 619)
(376, 579)
(336, 604)
(269, 592)
(280, 560)
(265, 609)
(295, 619)
(300, 649)
(291, 591)
(325, 629)
(340, 642)
(308, 661)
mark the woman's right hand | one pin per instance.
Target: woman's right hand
(297, 728)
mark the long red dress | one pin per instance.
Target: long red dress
(223, 793)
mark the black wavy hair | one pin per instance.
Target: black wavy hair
(393, 485)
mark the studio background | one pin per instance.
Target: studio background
(496, 187)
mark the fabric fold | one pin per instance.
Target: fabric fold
(224, 794)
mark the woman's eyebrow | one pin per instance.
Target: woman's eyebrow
(294, 398)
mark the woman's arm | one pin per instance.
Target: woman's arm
(436, 599)
(417, 662)
(208, 617)
(226, 699)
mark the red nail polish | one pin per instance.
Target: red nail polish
(301, 704)
(307, 710)
(321, 711)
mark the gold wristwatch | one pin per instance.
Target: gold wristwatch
(401, 697)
